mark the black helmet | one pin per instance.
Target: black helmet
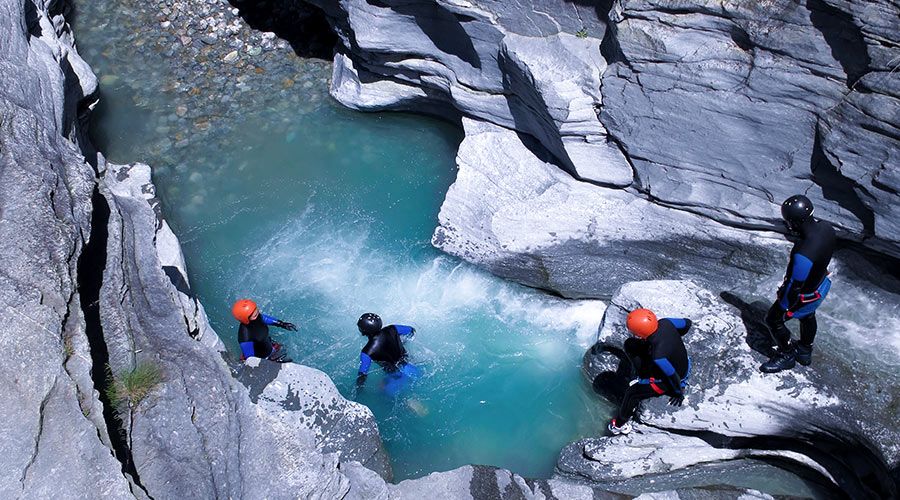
(369, 324)
(795, 210)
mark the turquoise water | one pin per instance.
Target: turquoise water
(321, 214)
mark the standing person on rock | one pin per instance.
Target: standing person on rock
(805, 286)
(253, 333)
(385, 347)
(659, 357)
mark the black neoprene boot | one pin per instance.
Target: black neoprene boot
(784, 360)
(803, 354)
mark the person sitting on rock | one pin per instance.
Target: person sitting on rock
(660, 360)
(253, 332)
(385, 348)
(805, 286)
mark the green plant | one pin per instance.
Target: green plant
(68, 348)
(128, 389)
(582, 33)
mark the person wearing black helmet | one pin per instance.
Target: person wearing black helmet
(385, 347)
(805, 286)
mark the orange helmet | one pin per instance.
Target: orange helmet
(243, 309)
(642, 323)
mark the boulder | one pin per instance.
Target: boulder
(524, 219)
(806, 416)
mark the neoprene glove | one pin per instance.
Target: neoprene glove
(676, 400)
(286, 326)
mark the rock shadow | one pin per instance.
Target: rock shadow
(753, 316)
(443, 27)
(302, 25)
(609, 384)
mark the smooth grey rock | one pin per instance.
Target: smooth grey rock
(722, 110)
(306, 399)
(52, 445)
(731, 108)
(807, 415)
(526, 220)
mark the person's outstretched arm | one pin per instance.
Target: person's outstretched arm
(269, 320)
(405, 331)
(364, 363)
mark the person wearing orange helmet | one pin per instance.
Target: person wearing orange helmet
(253, 332)
(659, 357)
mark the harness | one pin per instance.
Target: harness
(652, 381)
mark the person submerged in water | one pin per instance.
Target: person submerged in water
(805, 286)
(385, 347)
(660, 359)
(253, 332)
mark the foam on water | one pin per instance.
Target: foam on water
(501, 362)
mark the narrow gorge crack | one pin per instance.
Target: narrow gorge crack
(91, 266)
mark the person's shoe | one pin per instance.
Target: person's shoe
(618, 429)
(784, 360)
(803, 354)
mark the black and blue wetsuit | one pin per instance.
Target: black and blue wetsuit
(255, 340)
(662, 365)
(386, 349)
(806, 283)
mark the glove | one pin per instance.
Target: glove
(286, 326)
(676, 400)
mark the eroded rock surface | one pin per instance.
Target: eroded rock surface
(718, 109)
(52, 432)
(807, 415)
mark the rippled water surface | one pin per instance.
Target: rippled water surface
(321, 214)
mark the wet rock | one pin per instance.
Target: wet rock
(231, 57)
(732, 410)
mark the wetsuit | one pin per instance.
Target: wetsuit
(805, 285)
(662, 365)
(386, 349)
(255, 340)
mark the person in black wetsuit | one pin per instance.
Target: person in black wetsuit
(385, 347)
(660, 359)
(805, 286)
(253, 333)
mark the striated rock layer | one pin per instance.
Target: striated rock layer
(721, 109)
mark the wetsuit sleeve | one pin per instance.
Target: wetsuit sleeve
(269, 320)
(682, 325)
(671, 375)
(801, 265)
(404, 330)
(247, 349)
(364, 363)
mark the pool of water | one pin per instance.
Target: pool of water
(321, 214)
